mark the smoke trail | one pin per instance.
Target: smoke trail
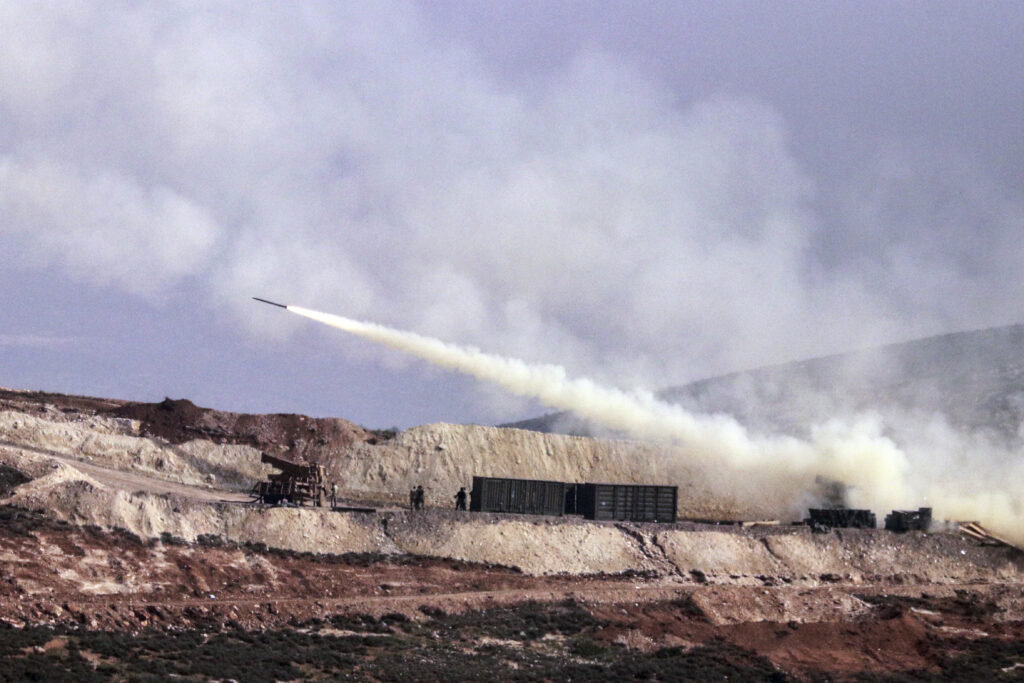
(782, 472)
(858, 455)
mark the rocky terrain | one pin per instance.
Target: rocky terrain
(129, 548)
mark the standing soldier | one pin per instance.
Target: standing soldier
(334, 495)
(420, 495)
(460, 499)
(412, 498)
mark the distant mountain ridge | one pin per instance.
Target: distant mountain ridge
(973, 380)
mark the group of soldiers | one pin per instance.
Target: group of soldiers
(416, 497)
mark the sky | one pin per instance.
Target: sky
(645, 193)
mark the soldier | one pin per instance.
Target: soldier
(334, 495)
(460, 499)
(420, 496)
(412, 498)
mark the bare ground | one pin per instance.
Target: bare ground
(685, 602)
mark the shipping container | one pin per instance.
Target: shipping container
(611, 502)
(523, 496)
(628, 502)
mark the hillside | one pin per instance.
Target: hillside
(130, 549)
(974, 381)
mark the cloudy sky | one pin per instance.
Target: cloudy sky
(646, 193)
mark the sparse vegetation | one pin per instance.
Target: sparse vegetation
(10, 478)
(168, 538)
(20, 521)
(963, 603)
(514, 644)
(382, 435)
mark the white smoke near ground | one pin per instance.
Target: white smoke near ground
(783, 472)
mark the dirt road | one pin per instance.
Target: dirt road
(135, 481)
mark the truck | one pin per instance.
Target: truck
(295, 484)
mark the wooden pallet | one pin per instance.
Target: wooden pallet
(983, 535)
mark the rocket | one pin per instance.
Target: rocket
(272, 303)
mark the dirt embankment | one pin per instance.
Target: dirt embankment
(300, 437)
(443, 457)
(117, 443)
(87, 467)
(123, 517)
(536, 545)
(87, 585)
(61, 571)
(176, 439)
(51, 572)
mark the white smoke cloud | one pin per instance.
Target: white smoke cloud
(779, 473)
(589, 215)
(103, 227)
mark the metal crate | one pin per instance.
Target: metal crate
(523, 496)
(628, 502)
